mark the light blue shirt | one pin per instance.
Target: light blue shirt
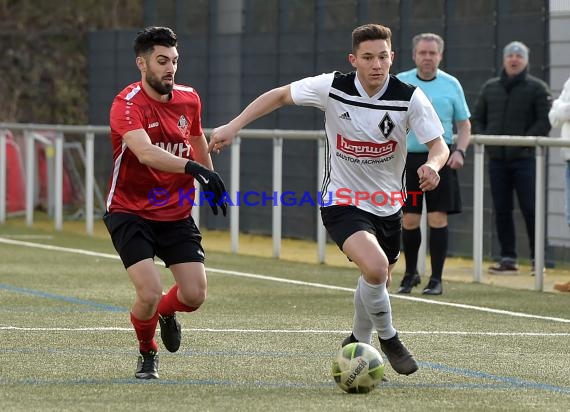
(446, 95)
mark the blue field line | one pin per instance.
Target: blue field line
(504, 382)
(290, 281)
(44, 309)
(69, 299)
(133, 381)
(485, 386)
(191, 353)
(282, 385)
(70, 351)
(503, 379)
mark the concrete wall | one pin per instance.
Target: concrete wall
(559, 33)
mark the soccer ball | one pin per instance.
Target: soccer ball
(358, 368)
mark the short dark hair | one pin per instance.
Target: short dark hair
(370, 32)
(428, 37)
(154, 36)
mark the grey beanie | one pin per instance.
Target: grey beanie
(516, 47)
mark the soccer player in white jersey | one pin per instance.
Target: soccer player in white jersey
(368, 113)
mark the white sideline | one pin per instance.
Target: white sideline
(287, 331)
(291, 281)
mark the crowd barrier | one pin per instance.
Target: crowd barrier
(478, 142)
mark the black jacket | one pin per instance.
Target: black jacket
(515, 106)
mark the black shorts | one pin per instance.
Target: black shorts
(343, 221)
(136, 239)
(446, 197)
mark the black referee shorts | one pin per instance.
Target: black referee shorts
(446, 197)
(343, 221)
(136, 239)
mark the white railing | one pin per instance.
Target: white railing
(277, 136)
(89, 133)
(478, 143)
(540, 143)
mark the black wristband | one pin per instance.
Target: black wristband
(192, 167)
(462, 152)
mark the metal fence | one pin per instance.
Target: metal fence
(478, 143)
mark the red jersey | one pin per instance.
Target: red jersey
(142, 190)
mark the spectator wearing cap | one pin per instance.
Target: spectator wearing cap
(517, 104)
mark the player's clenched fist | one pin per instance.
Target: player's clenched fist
(211, 183)
(429, 178)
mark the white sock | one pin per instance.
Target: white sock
(377, 304)
(362, 326)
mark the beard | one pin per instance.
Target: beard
(156, 84)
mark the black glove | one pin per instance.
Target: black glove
(211, 182)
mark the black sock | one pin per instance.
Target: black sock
(438, 250)
(411, 240)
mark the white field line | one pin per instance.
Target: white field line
(30, 237)
(291, 281)
(287, 331)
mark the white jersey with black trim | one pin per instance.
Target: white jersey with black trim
(367, 137)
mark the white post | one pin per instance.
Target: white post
(196, 207)
(3, 169)
(478, 179)
(89, 181)
(422, 251)
(58, 218)
(321, 231)
(277, 189)
(539, 220)
(49, 151)
(234, 184)
(30, 176)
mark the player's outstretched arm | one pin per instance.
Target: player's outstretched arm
(264, 104)
(153, 156)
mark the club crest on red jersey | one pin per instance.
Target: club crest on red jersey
(183, 125)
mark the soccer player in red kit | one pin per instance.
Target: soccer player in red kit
(159, 149)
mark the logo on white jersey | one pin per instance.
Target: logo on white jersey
(345, 116)
(364, 149)
(386, 125)
(183, 125)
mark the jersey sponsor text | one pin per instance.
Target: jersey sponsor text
(364, 149)
(177, 149)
